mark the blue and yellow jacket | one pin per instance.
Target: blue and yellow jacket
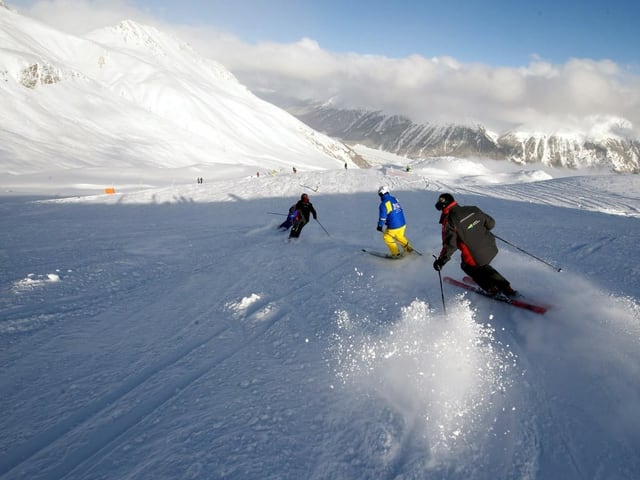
(391, 212)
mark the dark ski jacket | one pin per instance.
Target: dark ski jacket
(306, 208)
(467, 229)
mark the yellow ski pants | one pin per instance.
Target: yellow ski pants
(393, 235)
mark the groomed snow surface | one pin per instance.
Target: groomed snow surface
(175, 333)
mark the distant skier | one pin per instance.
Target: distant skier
(291, 218)
(305, 210)
(468, 229)
(392, 215)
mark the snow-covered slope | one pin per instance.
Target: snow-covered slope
(175, 333)
(131, 99)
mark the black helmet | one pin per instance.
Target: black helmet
(444, 201)
(304, 197)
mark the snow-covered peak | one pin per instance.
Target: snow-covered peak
(604, 127)
(168, 50)
(131, 34)
(131, 96)
(594, 128)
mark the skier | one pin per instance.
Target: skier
(392, 215)
(468, 229)
(305, 210)
(291, 217)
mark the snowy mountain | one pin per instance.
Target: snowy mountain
(133, 100)
(610, 143)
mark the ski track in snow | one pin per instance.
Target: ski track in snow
(572, 193)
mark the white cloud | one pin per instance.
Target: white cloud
(425, 89)
(82, 16)
(430, 89)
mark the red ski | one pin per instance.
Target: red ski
(516, 302)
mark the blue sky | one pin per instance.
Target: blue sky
(499, 33)
(543, 65)
(492, 32)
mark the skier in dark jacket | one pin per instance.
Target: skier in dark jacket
(468, 229)
(305, 210)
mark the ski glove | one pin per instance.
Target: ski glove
(379, 228)
(438, 264)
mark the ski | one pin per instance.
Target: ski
(519, 296)
(382, 254)
(516, 302)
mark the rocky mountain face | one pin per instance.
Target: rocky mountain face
(610, 148)
(571, 151)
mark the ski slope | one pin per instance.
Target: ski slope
(173, 332)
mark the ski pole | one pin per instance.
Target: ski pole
(558, 269)
(405, 245)
(325, 230)
(274, 213)
(444, 306)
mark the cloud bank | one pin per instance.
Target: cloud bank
(539, 95)
(437, 89)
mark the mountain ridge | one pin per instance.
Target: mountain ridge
(610, 142)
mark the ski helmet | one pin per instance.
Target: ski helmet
(444, 201)
(382, 190)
